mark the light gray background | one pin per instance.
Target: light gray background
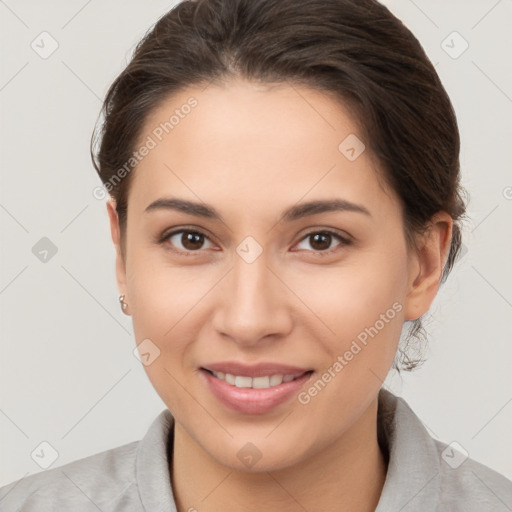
(67, 372)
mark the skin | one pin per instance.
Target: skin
(251, 151)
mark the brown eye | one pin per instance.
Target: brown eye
(321, 241)
(186, 240)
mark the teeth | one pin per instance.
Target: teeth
(257, 382)
(260, 382)
(243, 382)
(275, 380)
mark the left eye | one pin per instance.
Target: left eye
(321, 241)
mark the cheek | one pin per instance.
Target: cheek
(358, 321)
(161, 300)
(349, 298)
(160, 294)
(167, 307)
(363, 308)
(157, 303)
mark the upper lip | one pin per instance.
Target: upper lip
(254, 370)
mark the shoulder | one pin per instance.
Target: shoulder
(466, 484)
(427, 474)
(106, 479)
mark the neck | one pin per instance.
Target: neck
(348, 474)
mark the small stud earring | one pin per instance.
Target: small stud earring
(123, 303)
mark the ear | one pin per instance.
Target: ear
(426, 265)
(115, 231)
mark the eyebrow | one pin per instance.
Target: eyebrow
(294, 213)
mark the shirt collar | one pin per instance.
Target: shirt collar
(413, 476)
(152, 465)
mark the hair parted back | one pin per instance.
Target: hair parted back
(356, 51)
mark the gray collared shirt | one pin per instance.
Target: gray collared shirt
(423, 474)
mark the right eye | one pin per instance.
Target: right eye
(185, 241)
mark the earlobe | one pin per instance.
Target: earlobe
(427, 264)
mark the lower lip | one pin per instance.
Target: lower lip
(253, 400)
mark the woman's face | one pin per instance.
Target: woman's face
(247, 282)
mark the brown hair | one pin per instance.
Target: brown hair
(355, 50)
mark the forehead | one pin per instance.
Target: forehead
(268, 144)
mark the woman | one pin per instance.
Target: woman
(285, 198)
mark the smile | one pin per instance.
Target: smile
(256, 394)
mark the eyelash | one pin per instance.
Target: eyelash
(344, 241)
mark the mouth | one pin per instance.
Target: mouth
(253, 389)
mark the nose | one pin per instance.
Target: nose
(251, 305)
